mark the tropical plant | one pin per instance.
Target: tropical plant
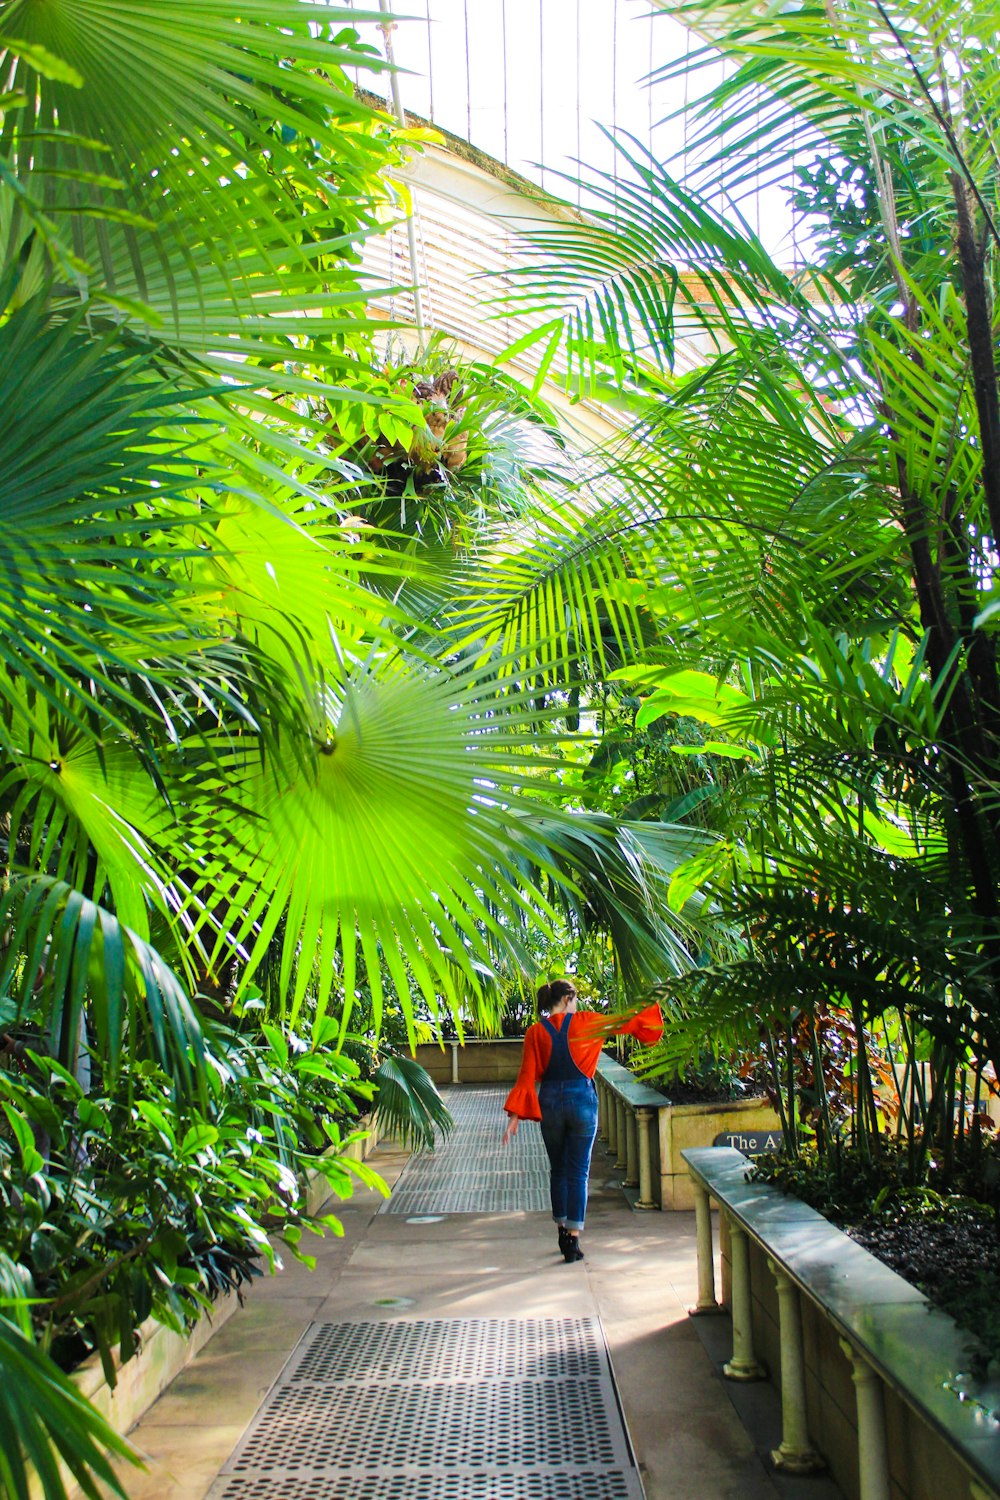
(229, 742)
(43, 1417)
(809, 512)
(120, 1204)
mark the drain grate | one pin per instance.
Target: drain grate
(451, 1424)
(439, 1409)
(485, 1199)
(472, 1172)
(483, 1485)
(435, 1349)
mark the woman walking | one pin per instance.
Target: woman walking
(556, 1086)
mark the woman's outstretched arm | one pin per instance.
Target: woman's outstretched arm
(522, 1101)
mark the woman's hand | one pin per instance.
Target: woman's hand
(511, 1130)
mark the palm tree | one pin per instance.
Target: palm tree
(227, 738)
(812, 511)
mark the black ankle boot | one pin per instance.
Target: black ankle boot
(565, 1239)
(571, 1249)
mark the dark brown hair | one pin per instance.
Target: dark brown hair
(551, 994)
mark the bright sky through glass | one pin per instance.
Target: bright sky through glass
(475, 67)
(531, 82)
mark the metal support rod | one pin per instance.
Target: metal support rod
(796, 1455)
(644, 1126)
(387, 28)
(743, 1365)
(631, 1178)
(706, 1254)
(873, 1447)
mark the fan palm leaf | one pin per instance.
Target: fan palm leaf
(408, 1106)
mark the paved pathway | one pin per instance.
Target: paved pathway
(395, 1317)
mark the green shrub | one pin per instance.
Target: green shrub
(123, 1203)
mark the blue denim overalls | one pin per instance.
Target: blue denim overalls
(568, 1101)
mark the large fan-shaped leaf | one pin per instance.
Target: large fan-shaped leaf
(408, 1106)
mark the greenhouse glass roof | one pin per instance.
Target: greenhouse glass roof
(532, 82)
(539, 87)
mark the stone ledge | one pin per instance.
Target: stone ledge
(917, 1351)
(623, 1082)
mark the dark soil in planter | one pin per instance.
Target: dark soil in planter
(954, 1260)
(693, 1093)
(942, 1238)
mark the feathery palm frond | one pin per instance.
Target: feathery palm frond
(47, 1428)
(614, 877)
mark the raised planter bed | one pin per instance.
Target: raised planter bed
(631, 1113)
(874, 1380)
(476, 1060)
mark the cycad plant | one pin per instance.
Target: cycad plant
(812, 474)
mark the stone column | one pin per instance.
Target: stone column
(796, 1454)
(744, 1364)
(611, 1113)
(621, 1133)
(454, 1062)
(631, 1149)
(873, 1447)
(706, 1255)
(602, 1108)
(644, 1127)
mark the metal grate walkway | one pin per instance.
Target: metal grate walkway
(488, 1408)
(471, 1171)
(439, 1409)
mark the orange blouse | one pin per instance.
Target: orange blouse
(590, 1031)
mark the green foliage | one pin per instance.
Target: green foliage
(811, 517)
(266, 727)
(43, 1418)
(843, 1184)
(124, 1203)
(712, 1075)
(407, 1103)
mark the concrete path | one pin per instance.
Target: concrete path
(638, 1278)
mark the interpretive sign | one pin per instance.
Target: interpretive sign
(750, 1142)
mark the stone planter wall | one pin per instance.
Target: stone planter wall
(630, 1111)
(684, 1127)
(870, 1374)
(476, 1060)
